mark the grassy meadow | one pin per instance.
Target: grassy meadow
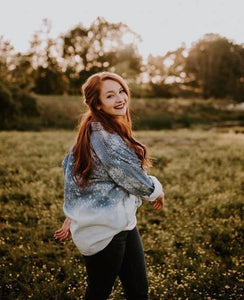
(193, 248)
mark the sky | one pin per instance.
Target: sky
(162, 24)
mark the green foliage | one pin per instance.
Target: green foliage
(60, 112)
(55, 111)
(193, 247)
(147, 113)
(217, 65)
(212, 67)
(155, 122)
(161, 90)
(18, 109)
(173, 113)
(50, 81)
(6, 106)
(97, 48)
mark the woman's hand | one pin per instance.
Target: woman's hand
(64, 232)
(159, 202)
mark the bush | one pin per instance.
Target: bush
(163, 121)
(18, 108)
(6, 106)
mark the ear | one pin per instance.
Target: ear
(99, 107)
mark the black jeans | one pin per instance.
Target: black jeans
(122, 257)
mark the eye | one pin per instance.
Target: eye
(122, 91)
(110, 96)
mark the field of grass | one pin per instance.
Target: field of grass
(193, 248)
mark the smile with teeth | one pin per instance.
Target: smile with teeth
(120, 106)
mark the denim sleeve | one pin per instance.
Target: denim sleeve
(64, 162)
(66, 159)
(123, 166)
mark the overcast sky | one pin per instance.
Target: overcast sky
(163, 24)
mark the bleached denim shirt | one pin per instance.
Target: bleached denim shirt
(108, 204)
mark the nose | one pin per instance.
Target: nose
(120, 98)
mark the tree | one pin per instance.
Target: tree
(15, 101)
(6, 106)
(17, 107)
(217, 66)
(49, 78)
(156, 69)
(165, 73)
(15, 68)
(97, 48)
(22, 73)
(7, 54)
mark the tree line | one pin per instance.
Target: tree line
(212, 67)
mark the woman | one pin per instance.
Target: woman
(105, 181)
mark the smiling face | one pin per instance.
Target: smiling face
(113, 98)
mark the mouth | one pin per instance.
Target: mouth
(120, 106)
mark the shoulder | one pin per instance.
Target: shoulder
(68, 159)
(108, 138)
(111, 143)
(111, 140)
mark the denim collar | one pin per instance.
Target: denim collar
(96, 126)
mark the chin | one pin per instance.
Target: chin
(121, 113)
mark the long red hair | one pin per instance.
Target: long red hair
(82, 150)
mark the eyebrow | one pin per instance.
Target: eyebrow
(109, 92)
(112, 91)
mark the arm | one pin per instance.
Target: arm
(124, 167)
(64, 232)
